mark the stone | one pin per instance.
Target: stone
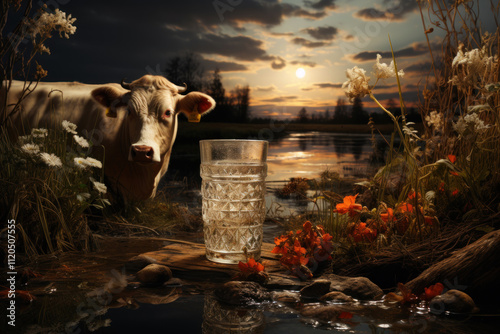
(136, 263)
(241, 293)
(286, 296)
(360, 288)
(337, 297)
(454, 301)
(154, 275)
(316, 289)
(325, 313)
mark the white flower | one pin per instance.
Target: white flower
(357, 83)
(435, 119)
(476, 67)
(100, 187)
(470, 121)
(51, 159)
(384, 71)
(47, 22)
(31, 149)
(39, 133)
(80, 162)
(81, 141)
(93, 162)
(24, 139)
(82, 197)
(69, 127)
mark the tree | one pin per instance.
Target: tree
(327, 115)
(302, 116)
(186, 69)
(340, 112)
(216, 89)
(359, 115)
(242, 101)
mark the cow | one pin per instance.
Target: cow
(133, 124)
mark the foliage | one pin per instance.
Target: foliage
(297, 186)
(406, 297)
(304, 250)
(252, 271)
(49, 182)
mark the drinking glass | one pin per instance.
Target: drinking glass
(233, 187)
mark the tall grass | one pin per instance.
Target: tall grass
(48, 184)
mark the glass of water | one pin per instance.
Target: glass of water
(233, 188)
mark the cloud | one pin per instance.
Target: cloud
(223, 66)
(265, 88)
(322, 33)
(307, 43)
(321, 4)
(281, 34)
(281, 99)
(421, 67)
(396, 11)
(278, 63)
(323, 85)
(414, 50)
(304, 63)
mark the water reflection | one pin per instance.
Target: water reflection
(308, 154)
(219, 318)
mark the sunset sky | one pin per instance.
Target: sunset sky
(255, 42)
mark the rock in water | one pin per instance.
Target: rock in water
(154, 274)
(241, 292)
(454, 301)
(337, 297)
(357, 287)
(316, 289)
(138, 262)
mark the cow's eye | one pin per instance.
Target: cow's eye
(167, 114)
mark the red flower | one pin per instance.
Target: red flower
(411, 195)
(349, 206)
(250, 267)
(455, 192)
(405, 207)
(345, 315)
(452, 158)
(363, 233)
(441, 187)
(429, 220)
(408, 297)
(453, 173)
(432, 291)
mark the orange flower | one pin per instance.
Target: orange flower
(363, 233)
(432, 291)
(388, 216)
(250, 267)
(349, 206)
(411, 195)
(454, 173)
(452, 158)
(405, 207)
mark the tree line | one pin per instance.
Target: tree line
(231, 106)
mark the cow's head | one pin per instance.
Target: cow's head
(152, 104)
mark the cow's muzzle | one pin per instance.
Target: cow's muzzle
(142, 153)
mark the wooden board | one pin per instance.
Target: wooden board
(187, 260)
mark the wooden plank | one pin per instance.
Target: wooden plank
(187, 260)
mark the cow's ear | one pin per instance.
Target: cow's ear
(111, 98)
(194, 105)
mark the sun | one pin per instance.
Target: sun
(300, 73)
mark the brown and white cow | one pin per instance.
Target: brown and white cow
(134, 125)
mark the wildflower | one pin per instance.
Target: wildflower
(24, 139)
(39, 133)
(69, 127)
(100, 187)
(383, 71)
(81, 141)
(470, 122)
(251, 266)
(432, 291)
(477, 66)
(357, 83)
(452, 158)
(51, 159)
(435, 119)
(363, 233)
(410, 131)
(82, 197)
(349, 206)
(31, 149)
(93, 162)
(388, 216)
(48, 22)
(429, 220)
(80, 163)
(455, 192)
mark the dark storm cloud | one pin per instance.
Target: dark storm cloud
(414, 50)
(307, 43)
(328, 85)
(322, 33)
(422, 67)
(320, 4)
(396, 11)
(223, 66)
(124, 38)
(304, 63)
